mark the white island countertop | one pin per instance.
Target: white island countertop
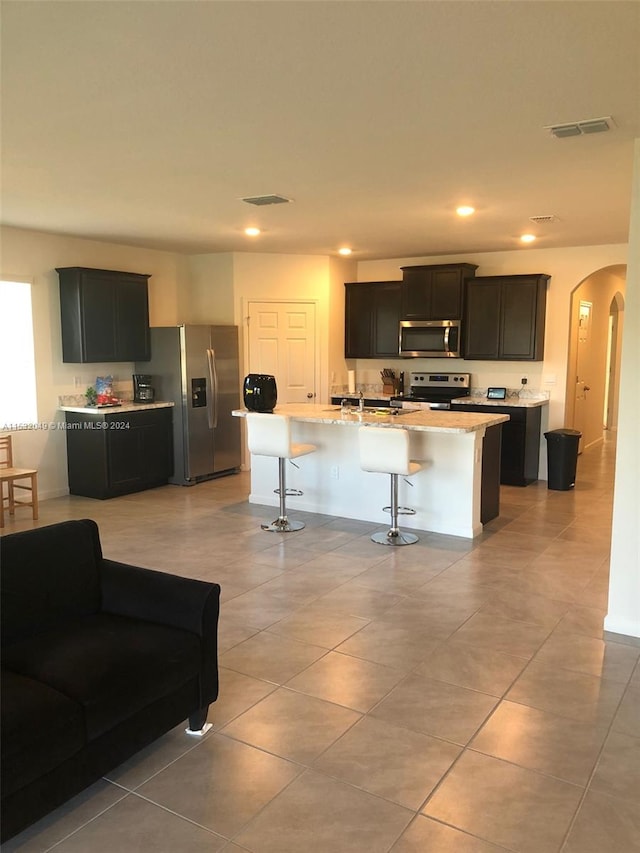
(432, 420)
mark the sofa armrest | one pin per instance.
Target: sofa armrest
(153, 596)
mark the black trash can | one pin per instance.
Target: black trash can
(562, 458)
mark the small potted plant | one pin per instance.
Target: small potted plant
(91, 396)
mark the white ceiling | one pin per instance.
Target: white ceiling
(146, 122)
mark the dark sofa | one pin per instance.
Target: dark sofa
(99, 658)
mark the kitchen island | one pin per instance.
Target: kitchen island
(459, 453)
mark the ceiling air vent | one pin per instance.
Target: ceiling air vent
(260, 200)
(550, 217)
(578, 128)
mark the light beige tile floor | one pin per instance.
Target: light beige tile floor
(448, 697)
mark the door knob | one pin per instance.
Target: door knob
(587, 388)
(310, 395)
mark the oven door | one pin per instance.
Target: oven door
(430, 338)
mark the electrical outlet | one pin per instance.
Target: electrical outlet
(335, 472)
(524, 380)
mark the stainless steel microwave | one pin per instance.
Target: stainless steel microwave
(429, 338)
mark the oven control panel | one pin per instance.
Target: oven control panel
(420, 379)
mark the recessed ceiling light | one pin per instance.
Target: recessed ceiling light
(465, 210)
(252, 232)
(527, 238)
(345, 250)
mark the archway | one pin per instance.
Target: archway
(597, 309)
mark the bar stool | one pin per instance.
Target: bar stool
(270, 435)
(386, 451)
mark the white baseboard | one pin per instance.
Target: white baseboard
(628, 627)
(52, 493)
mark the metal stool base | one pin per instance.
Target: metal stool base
(394, 537)
(283, 525)
(401, 510)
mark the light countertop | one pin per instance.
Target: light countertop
(510, 402)
(426, 421)
(475, 399)
(115, 410)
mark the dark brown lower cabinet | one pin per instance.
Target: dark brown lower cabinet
(118, 453)
(490, 487)
(520, 451)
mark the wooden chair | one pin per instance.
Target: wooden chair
(11, 476)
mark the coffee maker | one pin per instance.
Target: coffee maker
(143, 391)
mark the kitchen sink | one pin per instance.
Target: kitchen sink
(369, 410)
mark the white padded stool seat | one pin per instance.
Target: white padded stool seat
(385, 450)
(270, 435)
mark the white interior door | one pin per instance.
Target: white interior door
(282, 342)
(582, 369)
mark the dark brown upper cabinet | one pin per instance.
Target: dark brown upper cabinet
(372, 319)
(434, 292)
(504, 317)
(104, 315)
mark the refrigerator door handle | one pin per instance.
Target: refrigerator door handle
(212, 406)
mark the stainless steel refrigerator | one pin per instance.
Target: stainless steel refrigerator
(197, 368)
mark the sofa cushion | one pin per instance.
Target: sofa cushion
(41, 728)
(49, 575)
(112, 665)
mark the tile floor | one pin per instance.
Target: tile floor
(449, 697)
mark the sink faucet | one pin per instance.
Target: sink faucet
(360, 401)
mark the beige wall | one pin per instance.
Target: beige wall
(339, 271)
(209, 295)
(212, 288)
(284, 278)
(33, 256)
(567, 268)
(624, 577)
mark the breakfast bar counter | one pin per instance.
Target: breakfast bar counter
(454, 493)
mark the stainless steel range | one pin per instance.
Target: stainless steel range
(433, 390)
